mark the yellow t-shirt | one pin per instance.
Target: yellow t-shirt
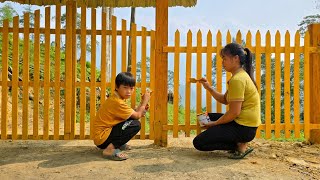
(112, 112)
(241, 88)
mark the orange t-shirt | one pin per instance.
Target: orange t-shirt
(112, 112)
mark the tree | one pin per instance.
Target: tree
(29, 10)
(132, 21)
(7, 12)
(170, 74)
(307, 21)
(78, 26)
(214, 71)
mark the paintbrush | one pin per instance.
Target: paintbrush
(194, 80)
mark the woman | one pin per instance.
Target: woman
(234, 129)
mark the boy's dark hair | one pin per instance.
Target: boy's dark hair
(126, 79)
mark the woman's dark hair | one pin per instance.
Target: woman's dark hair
(245, 57)
(126, 79)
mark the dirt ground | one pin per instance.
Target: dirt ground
(82, 160)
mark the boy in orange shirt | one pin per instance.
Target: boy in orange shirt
(116, 123)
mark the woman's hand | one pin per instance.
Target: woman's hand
(210, 124)
(205, 83)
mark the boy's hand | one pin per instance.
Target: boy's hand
(146, 97)
(144, 113)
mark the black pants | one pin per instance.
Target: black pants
(223, 136)
(120, 136)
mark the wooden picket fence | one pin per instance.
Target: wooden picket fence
(54, 109)
(270, 129)
(56, 116)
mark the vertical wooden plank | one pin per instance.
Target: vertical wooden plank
(188, 84)
(36, 75)
(258, 71)
(57, 74)
(68, 72)
(124, 45)
(114, 52)
(229, 40)
(161, 70)
(4, 101)
(268, 86)
(219, 69)
(133, 61)
(152, 82)
(176, 85)
(249, 46)
(258, 60)
(287, 115)
(83, 60)
(296, 86)
(103, 58)
(277, 82)
(74, 69)
(46, 75)
(209, 70)
(143, 71)
(199, 75)
(93, 71)
(15, 77)
(314, 76)
(239, 37)
(25, 100)
(249, 41)
(307, 84)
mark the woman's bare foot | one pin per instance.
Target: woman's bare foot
(242, 147)
(109, 151)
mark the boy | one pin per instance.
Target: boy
(116, 123)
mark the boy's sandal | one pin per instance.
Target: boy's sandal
(115, 156)
(125, 147)
(240, 155)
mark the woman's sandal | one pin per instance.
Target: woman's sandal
(115, 156)
(232, 151)
(240, 155)
(125, 147)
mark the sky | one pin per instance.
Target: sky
(213, 15)
(224, 15)
(231, 15)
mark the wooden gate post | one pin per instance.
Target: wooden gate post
(69, 72)
(161, 71)
(314, 30)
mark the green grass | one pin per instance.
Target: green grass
(283, 138)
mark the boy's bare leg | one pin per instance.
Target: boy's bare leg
(109, 150)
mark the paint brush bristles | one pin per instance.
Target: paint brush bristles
(194, 80)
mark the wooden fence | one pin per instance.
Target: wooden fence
(60, 100)
(286, 91)
(61, 93)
